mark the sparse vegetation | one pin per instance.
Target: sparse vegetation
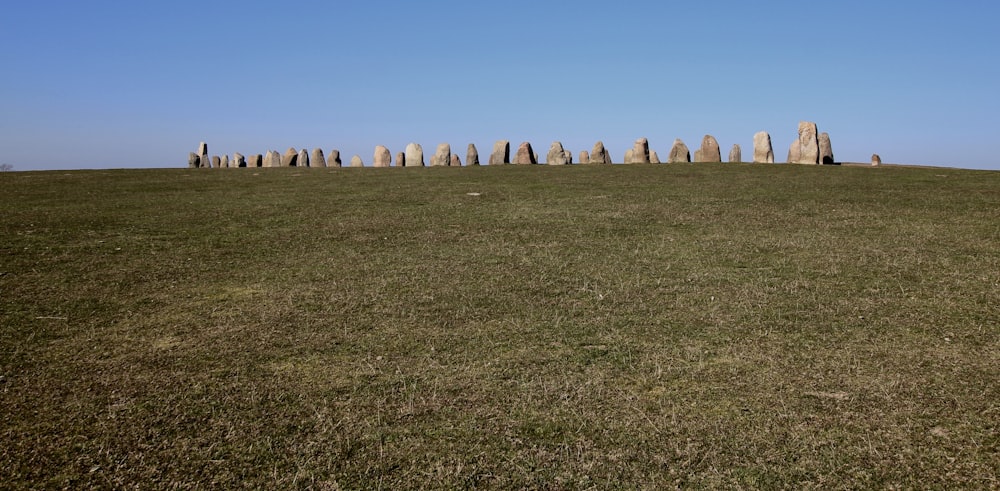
(696, 326)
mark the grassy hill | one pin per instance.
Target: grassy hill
(706, 325)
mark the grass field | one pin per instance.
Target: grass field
(694, 326)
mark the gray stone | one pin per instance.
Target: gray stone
(825, 149)
(472, 155)
(640, 152)
(455, 161)
(290, 158)
(194, 160)
(876, 160)
(630, 156)
(525, 155)
(272, 159)
(224, 162)
(202, 149)
(400, 159)
(317, 159)
(357, 162)
(382, 157)
(709, 151)
(303, 159)
(569, 156)
(239, 160)
(794, 152)
(679, 153)
(442, 156)
(501, 153)
(556, 155)
(599, 155)
(584, 157)
(256, 160)
(762, 151)
(216, 162)
(736, 154)
(654, 158)
(334, 159)
(808, 145)
(414, 155)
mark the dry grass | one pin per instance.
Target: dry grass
(733, 326)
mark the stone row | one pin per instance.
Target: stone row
(810, 147)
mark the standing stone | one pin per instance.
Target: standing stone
(630, 156)
(501, 153)
(709, 151)
(876, 160)
(382, 157)
(472, 155)
(794, 152)
(762, 151)
(525, 155)
(303, 159)
(203, 150)
(736, 154)
(357, 162)
(599, 155)
(654, 158)
(194, 161)
(455, 161)
(400, 159)
(290, 157)
(556, 155)
(442, 156)
(414, 155)
(584, 157)
(640, 152)
(224, 162)
(317, 159)
(825, 149)
(216, 162)
(334, 159)
(679, 153)
(256, 160)
(808, 145)
(239, 160)
(569, 156)
(272, 159)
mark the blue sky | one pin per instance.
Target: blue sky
(107, 84)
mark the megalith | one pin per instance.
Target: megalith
(794, 152)
(256, 160)
(762, 151)
(239, 160)
(808, 145)
(216, 162)
(525, 155)
(630, 156)
(599, 155)
(455, 161)
(556, 155)
(357, 162)
(709, 151)
(203, 150)
(679, 153)
(472, 155)
(414, 155)
(303, 159)
(569, 156)
(224, 162)
(194, 161)
(736, 154)
(876, 160)
(640, 152)
(382, 157)
(501, 153)
(442, 156)
(400, 159)
(290, 157)
(317, 159)
(272, 159)
(825, 149)
(654, 158)
(334, 159)
(584, 157)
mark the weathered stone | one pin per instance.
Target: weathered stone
(334, 159)
(414, 155)
(569, 156)
(825, 149)
(736, 154)
(216, 162)
(762, 151)
(194, 160)
(400, 159)
(709, 151)
(501, 153)
(255, 161)
(224, 162)
(584, 157)
(442, 156)
(876, 160)
(382, 157)
(202, 149)
(630, 156)
(794, 152)
(599, 155)
(640, 152)
(679, 153)
(807, 151)
(357, 162)
(654, 158)
(525, 155)
(556, 155)
(272, 159)
(239, 160)
(472, 155)
(303, 159)
(317, 159)
(290, 158)
(455, 161)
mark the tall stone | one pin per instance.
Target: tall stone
(414, 155)
(654, 158)
(599, 155)
(203, 149)
(239, 160)
(224, 162)
(357, 162)
(794, 152)
(501, 153)
(400, 159)
(808, 145)
(825, 149)
(709, 151)
(556, 155)
(640, 152)
(317, 159)
(256, 160)
(630, 156)
(762, 151)
(876, 160)
(569, 156)
(290, 158)
(525, 155)
(584, 157)
(442, 156)
(455, 161)
(736, 154)
(334, 159)
(216, 162)
(272, 159)
(194, 160)
(679, 153)
(303, 159)
(472, 155)
(382, 157)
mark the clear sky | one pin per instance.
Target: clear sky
(109, 84)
